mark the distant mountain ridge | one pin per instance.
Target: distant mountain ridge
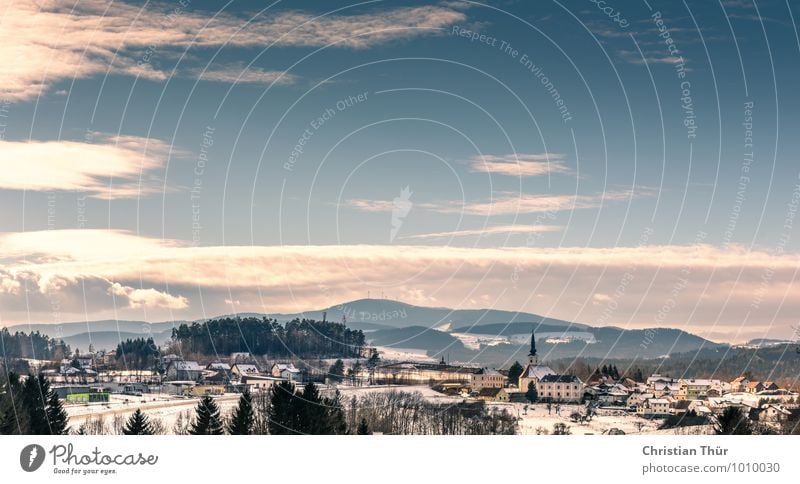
(486, 335)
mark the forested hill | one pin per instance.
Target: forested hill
(262, 336)
(34, 345)
(779, 362)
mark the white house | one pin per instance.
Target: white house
(286, 371)
(242, 369)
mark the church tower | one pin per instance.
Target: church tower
(532, 358)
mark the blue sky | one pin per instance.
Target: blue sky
(538, 127)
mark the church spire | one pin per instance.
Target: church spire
(532, 358)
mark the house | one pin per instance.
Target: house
(533, 371)
(560, 388)
(696, 388)
(656, 381)
(285, 371)
(242, 369)
(486, 378)
(259, 383)
(218, 366)
(654, 406)
(666, 390)
(223, 370)
(184, 370)
(774, 414)
(759, 386)
(739, 385)
(636, 399)
(493, 395)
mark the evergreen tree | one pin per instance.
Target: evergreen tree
(313, 412)
(56, 415)
(138, 424)
(337, 421)
(733, 421)
(283, 409)
(13, 419)
(336, 371)
(514, 373)
(531, 395)
(374, 359)
(35, 392)
(207, 421)
(243, 418)
(363, 428)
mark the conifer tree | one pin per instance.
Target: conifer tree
(337, 421)
(138, 424)
(531, 395)
(283, 409)
(242, 419)
(313, 412)
(363, 428)
(336, 371)
(514, 373)
(56, 415)
(208, 420)
(34, 405)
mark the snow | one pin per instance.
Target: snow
(404, 354)
(156, 405)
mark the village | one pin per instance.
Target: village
(541, 400)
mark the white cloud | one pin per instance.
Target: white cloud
(486, 231)
(520, 164)
(241, 74)
(147, 298)
(573, 283)
(108, 167)
(44, 42)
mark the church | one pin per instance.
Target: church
(549, 385)
(533, 371)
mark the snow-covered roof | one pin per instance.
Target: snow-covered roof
(218, 366)
(187, 366)
(537, 371)
(241, 368)
(287, 367)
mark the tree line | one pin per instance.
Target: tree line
(300, 338)
(34, 345)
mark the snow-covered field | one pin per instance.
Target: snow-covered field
(156, 405)
(533, 418)
(537, 417)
